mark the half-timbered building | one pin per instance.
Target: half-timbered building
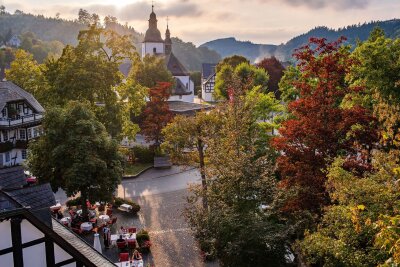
(208, 75)
(29, 235)
(20, 121)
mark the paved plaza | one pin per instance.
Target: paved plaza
(162, 196)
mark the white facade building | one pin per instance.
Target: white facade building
(20, 121)
(208, 75)
(153, 44)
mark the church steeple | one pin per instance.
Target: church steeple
(168, 42)
(152, 33)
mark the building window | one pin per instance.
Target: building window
(29, 133)
(23, 153)
(7, 156)
(35, 132)
(5, 136)
(180, 96)
(155, 50)
(187, 85)
(26, 110)
(4, 112)
(22, 134)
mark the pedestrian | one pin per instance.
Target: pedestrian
(106, 236)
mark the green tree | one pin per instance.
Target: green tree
(77, 154)
(345, 236)
(89, 72)
(241, 182)
(232, 61)
(28, 74)
(186, 142)
(150, 71)
(378, 70)
(195, 76)
(248, 76)
(289, 92)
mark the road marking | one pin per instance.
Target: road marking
(187, 229)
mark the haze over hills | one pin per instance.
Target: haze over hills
(230, 46)
(66, 31)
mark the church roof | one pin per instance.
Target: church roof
(153, 35)
(175, 66)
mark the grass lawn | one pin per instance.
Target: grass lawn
(133, 169)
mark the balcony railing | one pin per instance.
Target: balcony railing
(21, 120)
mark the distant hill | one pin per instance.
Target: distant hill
(230, 46)
(66, 31)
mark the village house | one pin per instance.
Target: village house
(20, 121)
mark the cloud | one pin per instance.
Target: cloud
(319, 4)
(140, 11)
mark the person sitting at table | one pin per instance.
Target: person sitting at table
(136, 255)
(122, 230)
(120, 239)
(59, 215)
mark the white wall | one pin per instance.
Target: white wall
(147, 48)
(61, 255)
(185, 98)
(208, 97)
(14, 152)
(7, 260)
(29, 232)
(35, 255)
(5, 240)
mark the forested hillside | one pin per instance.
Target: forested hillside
(230, 46)
(65, 31)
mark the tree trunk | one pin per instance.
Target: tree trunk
(200, 148)
(84, 206)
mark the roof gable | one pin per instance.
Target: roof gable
(11, 92)
(207, 69)
(12, 178)
(175, 66)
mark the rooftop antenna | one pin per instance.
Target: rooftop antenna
(152, 6)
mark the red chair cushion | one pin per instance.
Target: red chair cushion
(123, 256)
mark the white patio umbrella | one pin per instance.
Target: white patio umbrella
(97, 245)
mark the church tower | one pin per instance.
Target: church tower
(168, 42)
(153, 44)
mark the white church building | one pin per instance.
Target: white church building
(153, 44)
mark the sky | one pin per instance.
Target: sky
(199, 21)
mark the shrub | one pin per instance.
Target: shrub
(73, 202)
(119, 201)
(143, 154)
(143, 239)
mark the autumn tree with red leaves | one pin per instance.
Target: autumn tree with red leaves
(275, 70)
(320, 129)
(156, 113)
